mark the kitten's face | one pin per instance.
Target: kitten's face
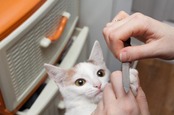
(85, 80)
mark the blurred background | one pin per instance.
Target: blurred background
(156, 75)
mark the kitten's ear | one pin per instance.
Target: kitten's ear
(96, 53)
(55, 73)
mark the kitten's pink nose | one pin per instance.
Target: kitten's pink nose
(98, 86)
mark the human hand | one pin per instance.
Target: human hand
(116, 102)
(157, 36)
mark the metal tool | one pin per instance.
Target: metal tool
(125, 71)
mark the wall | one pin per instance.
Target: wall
(158, 9)
(95, 14)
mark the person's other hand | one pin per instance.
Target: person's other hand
(116, 102)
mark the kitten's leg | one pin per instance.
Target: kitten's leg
(134, 81)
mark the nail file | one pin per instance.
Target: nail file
(126, 72)
(126, 77)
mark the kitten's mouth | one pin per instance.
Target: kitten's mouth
(99, 92)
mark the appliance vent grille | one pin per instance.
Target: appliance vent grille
(26, 57)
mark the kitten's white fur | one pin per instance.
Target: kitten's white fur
(82, 100)
(134, 81)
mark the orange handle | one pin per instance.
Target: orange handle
(60, 29)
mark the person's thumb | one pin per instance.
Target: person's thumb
(142, 102)
(133, 53)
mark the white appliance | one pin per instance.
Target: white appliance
(22, 57)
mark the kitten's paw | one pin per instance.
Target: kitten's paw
(61, 104)
(134, 81)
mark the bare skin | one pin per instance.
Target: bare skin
(117, 102)
(157, 36)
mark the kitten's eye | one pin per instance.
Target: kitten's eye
(80, 82)
(101, 73)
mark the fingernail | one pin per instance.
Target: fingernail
(123, 56)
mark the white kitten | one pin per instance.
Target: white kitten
(82, 85)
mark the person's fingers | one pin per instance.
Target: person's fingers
(116, 81)
(100, 105)
(121, 15)
(142, 102)
(109, 24)
(115, 33)
(134, 25)
(118, 21)
(139, 52)
(108, 96)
